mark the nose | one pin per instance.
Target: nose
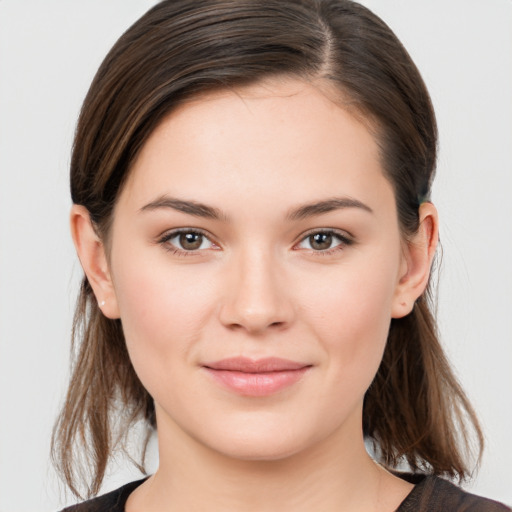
(256, 297)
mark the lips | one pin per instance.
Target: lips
(260, 377)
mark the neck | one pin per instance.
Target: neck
(335, 474)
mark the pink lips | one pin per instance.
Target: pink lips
(260, 377)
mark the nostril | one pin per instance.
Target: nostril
(255, 327)
(235, 327)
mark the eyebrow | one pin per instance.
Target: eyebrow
(299, 213)
(190, 207)
(326, 206)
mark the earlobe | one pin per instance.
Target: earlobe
(93, 259)
(419, 253)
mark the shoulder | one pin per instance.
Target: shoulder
(113, 501)
(434, 494)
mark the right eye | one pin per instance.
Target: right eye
(185, 241)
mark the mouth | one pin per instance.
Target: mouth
(260, 377)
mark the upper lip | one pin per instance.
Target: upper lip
(247, 365)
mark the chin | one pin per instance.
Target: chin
(260, 439)
(263, 448)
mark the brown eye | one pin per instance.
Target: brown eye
(186, 241)
(325, 242)
(320, 241)
(190, 241)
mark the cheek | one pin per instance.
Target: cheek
(350, 314)
(163, 311)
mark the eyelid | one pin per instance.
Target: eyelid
(343, 234)
(345, 238)
(166, 236)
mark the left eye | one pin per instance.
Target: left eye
(322, 241)
(188, 240)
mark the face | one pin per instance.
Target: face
(255, 258)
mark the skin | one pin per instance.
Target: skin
(257, 286)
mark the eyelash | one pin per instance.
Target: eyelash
(342, 237)
(164, 240)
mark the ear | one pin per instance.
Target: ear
(418, 255)
(91, 253)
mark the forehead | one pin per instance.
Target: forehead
(284, 139)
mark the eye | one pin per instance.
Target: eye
(324, 241)
(187, 240)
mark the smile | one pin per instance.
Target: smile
(262, 377)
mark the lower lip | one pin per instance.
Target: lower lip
(257, 384)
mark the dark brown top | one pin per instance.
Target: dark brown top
(430, 494)
(434, 494)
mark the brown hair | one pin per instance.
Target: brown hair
(414, 411)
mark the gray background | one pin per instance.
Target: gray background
(49, 52)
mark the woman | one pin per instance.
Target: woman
(251, 189)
